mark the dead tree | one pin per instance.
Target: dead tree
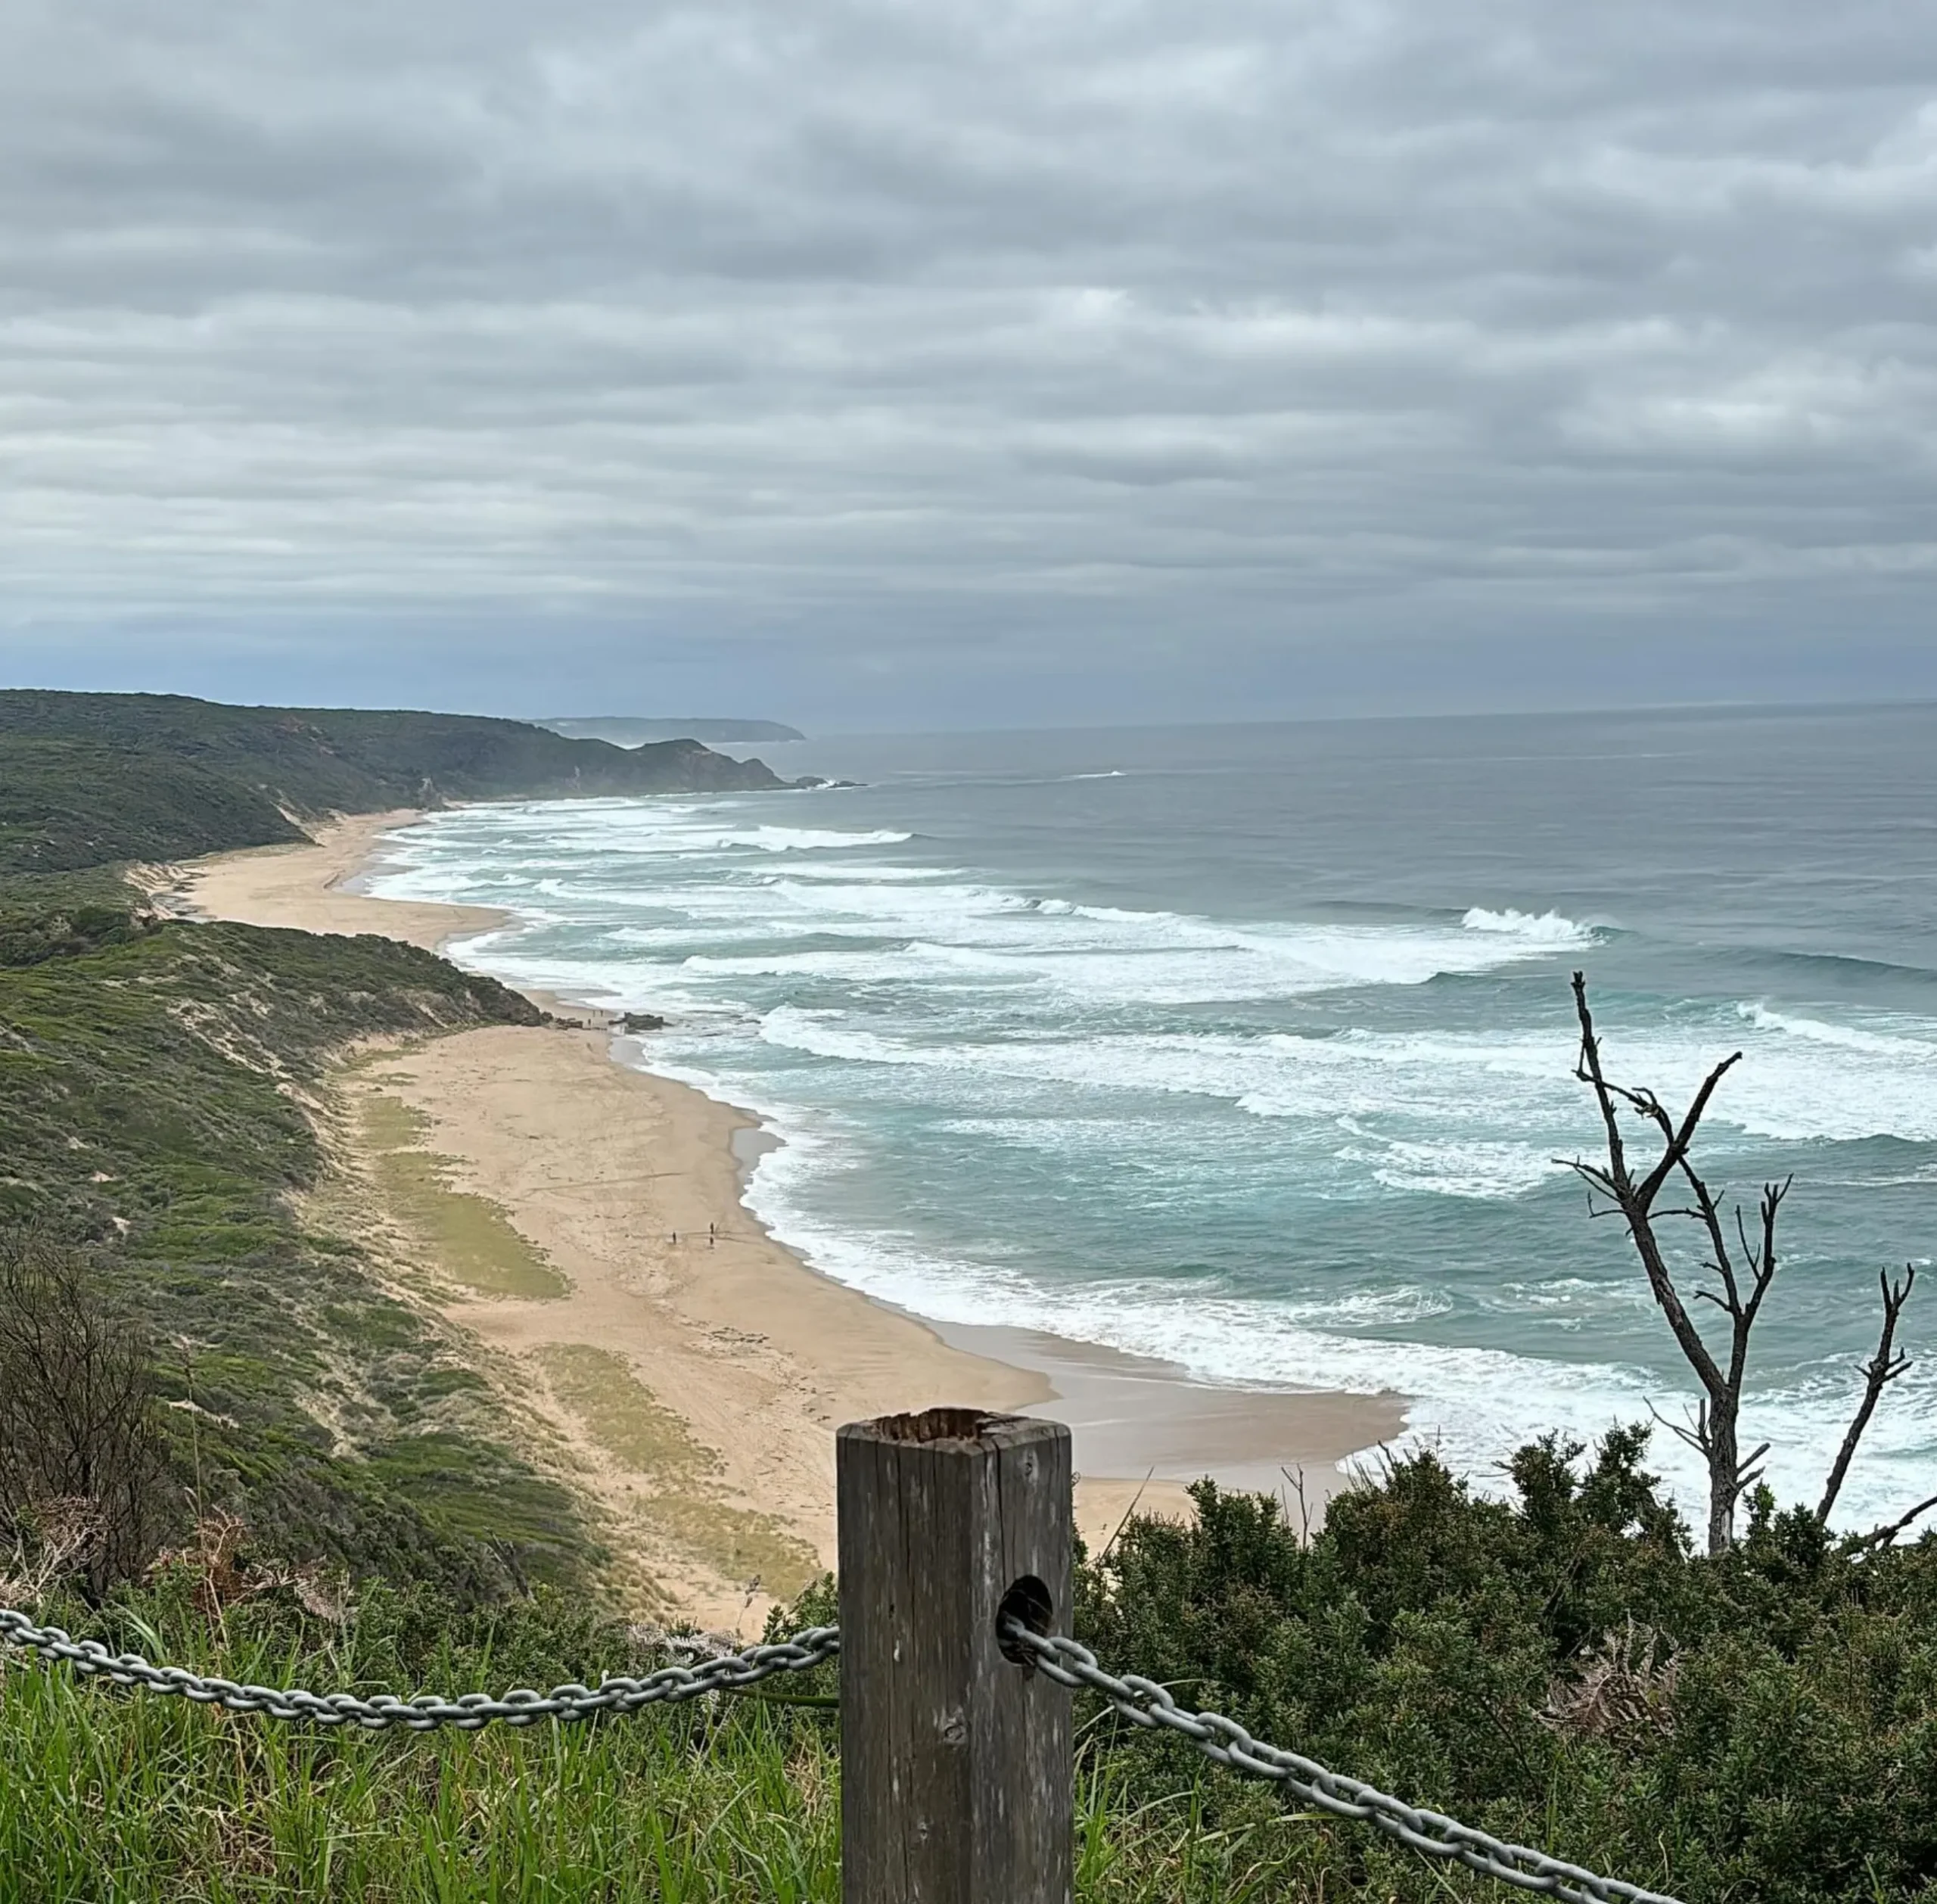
(1881, 1369)
(79, 1430)
(1743, 1271)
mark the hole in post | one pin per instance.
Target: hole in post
(1028, 1604)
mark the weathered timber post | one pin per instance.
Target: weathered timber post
(955, 1763)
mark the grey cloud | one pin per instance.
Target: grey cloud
(910, 340)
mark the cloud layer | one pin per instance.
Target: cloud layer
(894, 347)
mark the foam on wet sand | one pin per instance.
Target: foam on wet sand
(599, 1165)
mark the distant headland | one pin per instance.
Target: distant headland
(87, 780)
(631, 730)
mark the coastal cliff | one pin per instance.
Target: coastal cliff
(87, 780)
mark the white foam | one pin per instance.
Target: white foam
(861, 871)
(1848, 1037)
(1046, 1017)
(670, 830)
(1538, 928)
(801, 839)
(1464, 1166)
(1787, 1088)
(1117, 954)
(1107, 954)
(1509, 1095)
(1475, 1405)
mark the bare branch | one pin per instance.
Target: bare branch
(1763, 1261)
(1681, 1137)
(1696, 1438)
(1743, 1269)
(1633, 1205)
(1594, 1176)
(1590, 1071)
(77, 1408)
(1709, 1215)
(1879, 1372)
(1884, 1536)
(1743, 1473)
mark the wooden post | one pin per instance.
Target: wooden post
(955, 1763)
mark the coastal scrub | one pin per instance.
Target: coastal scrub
(160, 1086)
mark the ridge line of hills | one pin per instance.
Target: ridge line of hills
(629, 730)
(168, 1120)
(88, 780)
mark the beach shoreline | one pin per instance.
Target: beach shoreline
(603, 1165)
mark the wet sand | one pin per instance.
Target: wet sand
(600, 1165)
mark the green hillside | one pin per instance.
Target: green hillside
(160, 1083)
(66, 805)
(87, 780)
(153, 1081)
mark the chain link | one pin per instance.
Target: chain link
(1145, 1703)
(470, 1712)
(1142, 1701)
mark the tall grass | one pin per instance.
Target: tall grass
(1563, 1672)
(112, 1795)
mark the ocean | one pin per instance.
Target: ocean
(1251, 1048)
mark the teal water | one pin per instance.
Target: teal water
(1252, 1047)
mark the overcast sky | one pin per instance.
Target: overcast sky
(922, 362)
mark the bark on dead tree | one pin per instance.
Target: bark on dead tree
(1743, 1272)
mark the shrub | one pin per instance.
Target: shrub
(1560, 1669)
(83, 1459)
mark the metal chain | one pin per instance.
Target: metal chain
(469, 1713)
(1142, 1701)
(1145, 1703)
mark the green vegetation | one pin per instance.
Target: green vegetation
(623, 1418)
(66, 804)
(104, 1796)
(1563, 1671)
(469, 1236)
(157, 1082)
(88, 780)
(360, 760)
(161, 1088)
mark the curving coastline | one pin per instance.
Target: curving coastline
(600, 1165)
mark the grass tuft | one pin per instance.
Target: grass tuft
(470, 1238)
(622, 1416)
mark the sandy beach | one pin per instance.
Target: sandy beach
(689, 1369)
